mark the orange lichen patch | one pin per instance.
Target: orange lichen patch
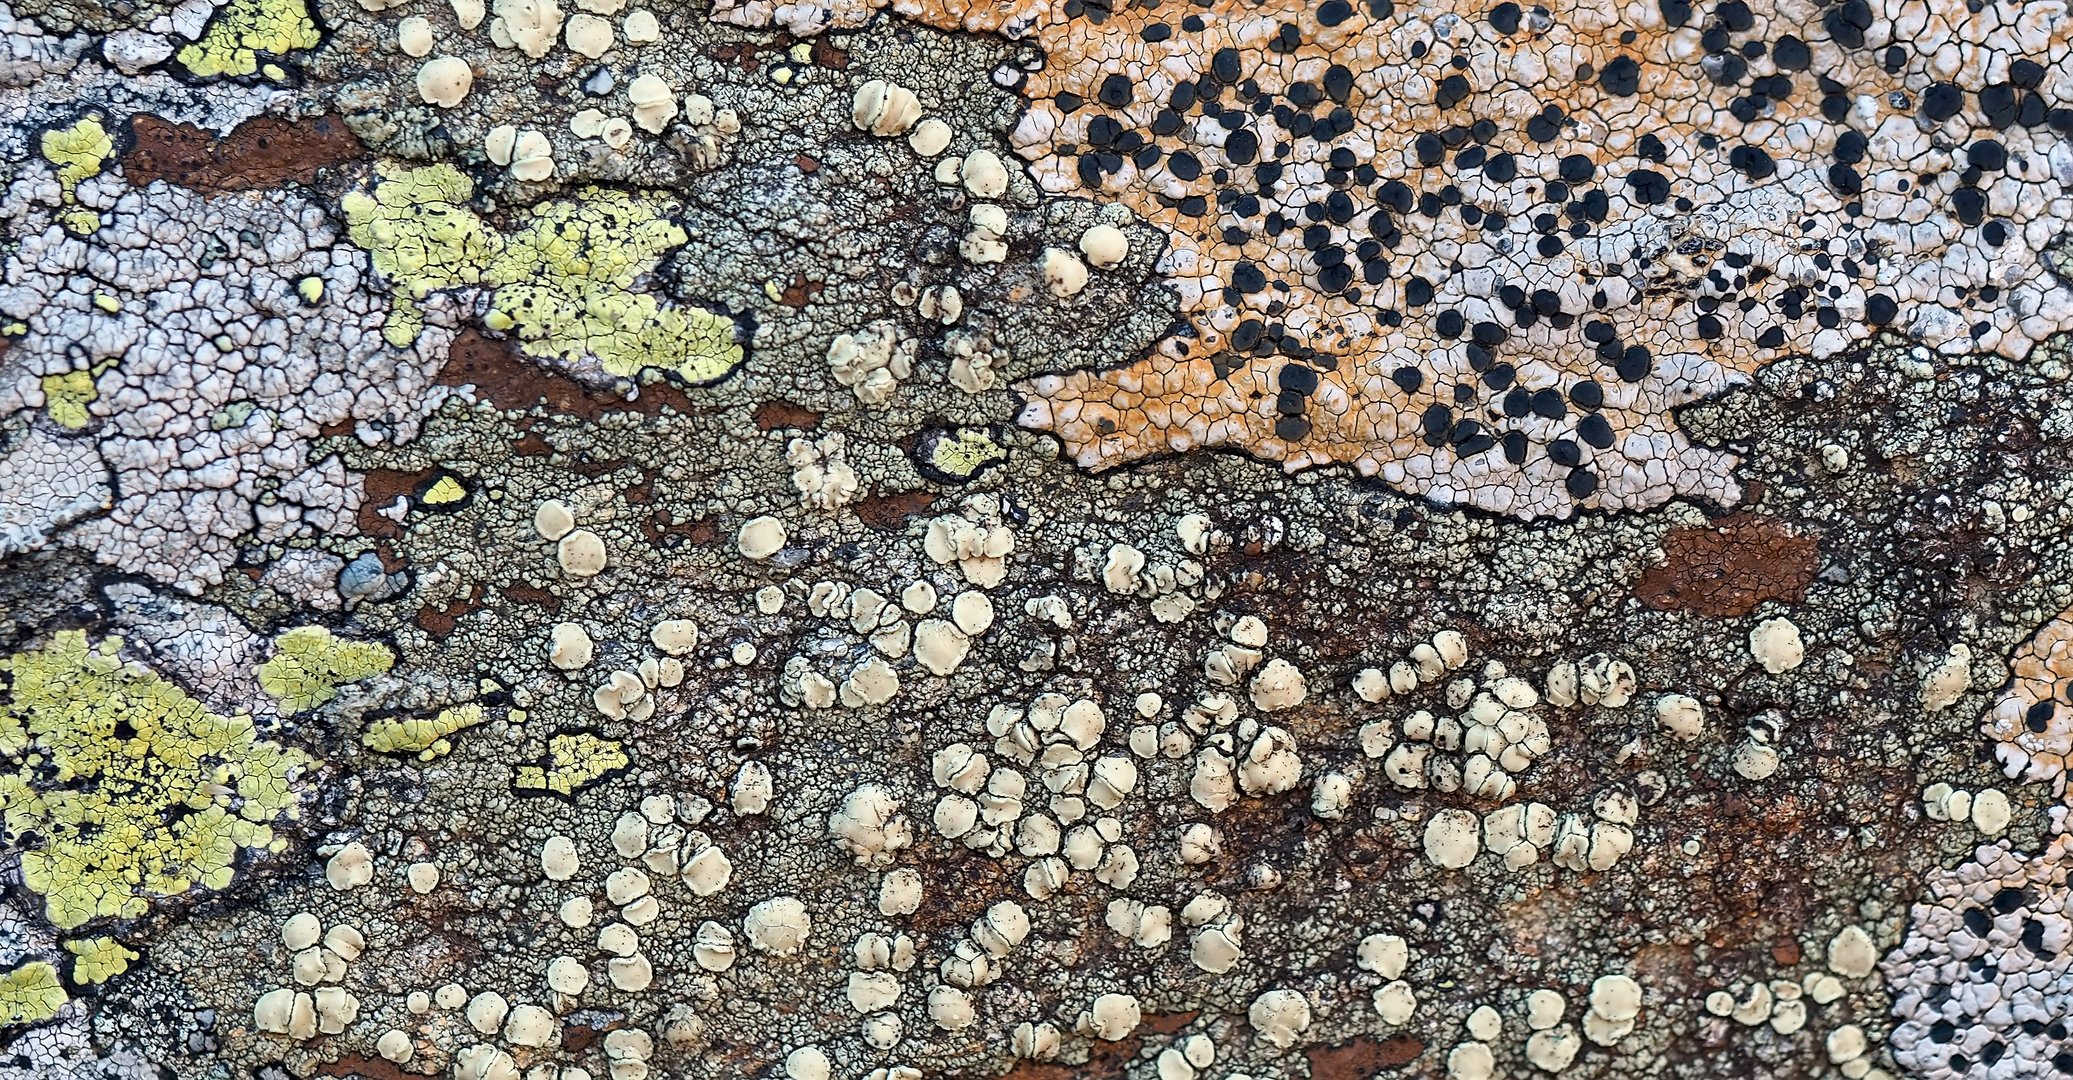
(1482, 251)
(1336, 320)
(262, 153)
(1725, 569)
(1360, 1058)
(2031, 722)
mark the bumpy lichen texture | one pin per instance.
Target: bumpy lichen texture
(562, 283)
(130, 788)
(655, 538)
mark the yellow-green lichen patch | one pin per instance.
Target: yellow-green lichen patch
(310, 663)
(30, 993)
(574, 761)
(427, 737)
(66, 396)
(958, 455)
(563, 283)
(246, 31)
(78, 152)
(98, 959)
(445, 493)
(130, 787)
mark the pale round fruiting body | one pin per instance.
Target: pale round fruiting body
(414, 36)
(1113, 1017)
(929, 138)
(581, 554)
(558, 859)
(1104, 245)
(445, 81)
(1776, 644)
(760, 537)
(1452, 838)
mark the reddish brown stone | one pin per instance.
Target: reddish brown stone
(356, 1067)
(743, 53)
(1361, 1057)
(828, 55)
(1108, 1059)
(772, 415)
(380, 488)
(261, 154)
(801, 291)
(505, 378)
(1727, 568)
(439, 621)
(663, 530)
(576, 1038)
(527, 594)
(890, 512)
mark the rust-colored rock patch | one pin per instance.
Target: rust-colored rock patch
(380, 488)
(359, 1067)
(1726, 569)
(779, 413)
(1359, 1058)
(890, 512)
(1108, 1059)
(261, 154)
(508, 380)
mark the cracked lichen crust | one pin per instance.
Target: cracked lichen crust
(575, 760)
(428, 737)
(98, 959)
(30, 993)
(122, 787)
(248, 37)
(210, 374)
(565, 281)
